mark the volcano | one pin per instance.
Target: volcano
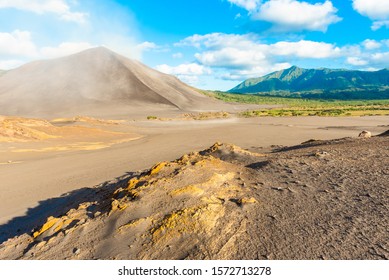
(97, 81)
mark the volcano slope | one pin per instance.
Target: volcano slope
(318, 200)
(95, 82)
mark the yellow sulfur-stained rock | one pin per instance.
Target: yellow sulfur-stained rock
(190, 190)
(247, 200)
(118, 205)
(51, 221)
(134, 223)
(158, 167)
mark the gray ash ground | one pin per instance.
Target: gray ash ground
(318, 200)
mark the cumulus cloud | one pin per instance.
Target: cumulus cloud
(292, 15)
(238, 57)
(305, 49)
(245, 56)
(18, 47)
(371, 44)
(17, 43)
(58, 7)
(356, 61)
(370, 54)
(188, 73)
(380, 59)
(232, 58)
(376, 10)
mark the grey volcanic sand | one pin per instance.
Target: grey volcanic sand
(38, 176)
(319, 200)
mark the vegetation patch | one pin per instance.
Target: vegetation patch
(206, 115)
(288, 106)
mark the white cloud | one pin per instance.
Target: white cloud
(369, 53)
(244, 56)
(356, 61)
(18, 47)
(305, 49)
(371, 44)
(184, 69)
(380, 59)
(249, 5)
(59, 7)
(376, 10)
(20, 44)
(239, 75)
(146, 46)
(237, 57)
(232, 57)
(244, 50)
(380, 23)
(291, 15)
(218, 40)
(17, 43)
(64, 49)
(189, 73)
(150, 46)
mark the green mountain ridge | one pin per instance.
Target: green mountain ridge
(320, 83)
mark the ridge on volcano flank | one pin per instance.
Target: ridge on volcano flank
(96, 82)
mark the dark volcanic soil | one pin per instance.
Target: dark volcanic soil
(319, 200)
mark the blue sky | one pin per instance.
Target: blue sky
(210, 44)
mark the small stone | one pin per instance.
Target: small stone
(98, 213)
(321, 154)
(76, 251)
(247, 200)
(365, 134)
